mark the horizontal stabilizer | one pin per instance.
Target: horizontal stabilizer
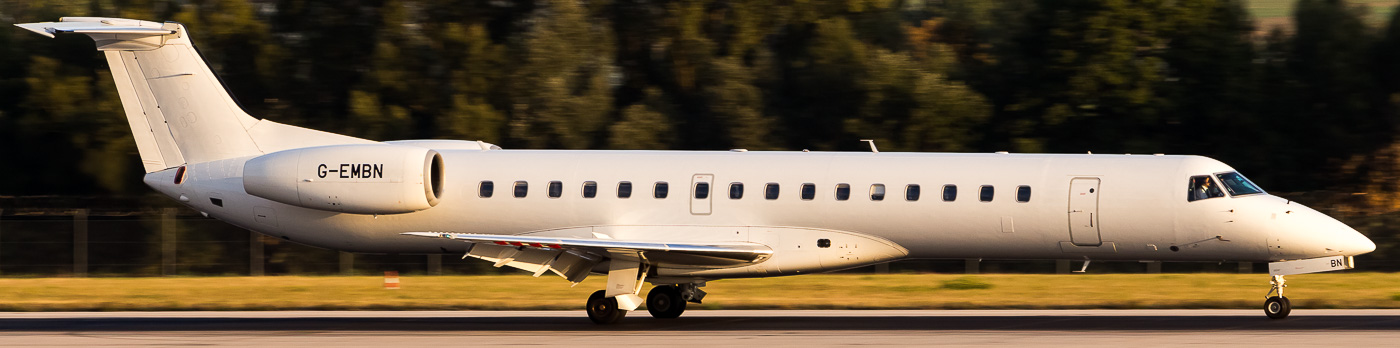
(667, 253)
(95, 25)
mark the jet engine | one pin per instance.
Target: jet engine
(358, 179)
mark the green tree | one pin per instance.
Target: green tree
(908, 108)
(74, 114)
(320, 51)
(561, 88)
(645, 125)
(822, 85)
(478, 60)
(733, 99)
(1388, 64)
(1210, 82)
(1379, 171)
(1080, 75)
(390, 99)
(1329, 84)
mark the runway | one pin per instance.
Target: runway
(1049, 328)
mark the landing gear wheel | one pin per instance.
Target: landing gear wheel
(665, 302)
(603, 310)
(1277, 307)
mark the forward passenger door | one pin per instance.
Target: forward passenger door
(1084, 211)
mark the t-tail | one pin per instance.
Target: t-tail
(178, 110)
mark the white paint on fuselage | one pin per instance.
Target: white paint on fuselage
(1142, 210)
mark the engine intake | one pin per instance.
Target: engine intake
(358, 179)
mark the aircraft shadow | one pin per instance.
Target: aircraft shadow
(735, 323)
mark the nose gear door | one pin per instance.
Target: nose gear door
(1084, 211)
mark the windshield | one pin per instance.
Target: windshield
(1238, 185)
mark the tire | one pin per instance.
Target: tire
(603, 310)
(1277, 307)
(665, 302)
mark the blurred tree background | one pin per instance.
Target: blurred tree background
(1309, 110)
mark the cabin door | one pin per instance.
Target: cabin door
(1084, 211)
(700, 187)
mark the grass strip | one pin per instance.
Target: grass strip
(833, 291)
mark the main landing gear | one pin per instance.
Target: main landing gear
(663, 302)
(669, 301)
(1277, 307)
(604, 310)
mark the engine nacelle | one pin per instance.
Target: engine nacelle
(359, 179)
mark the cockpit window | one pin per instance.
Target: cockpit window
(1238, 185)
(1202, 187)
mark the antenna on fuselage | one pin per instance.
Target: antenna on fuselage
(872, 145)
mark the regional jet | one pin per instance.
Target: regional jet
(679, 219)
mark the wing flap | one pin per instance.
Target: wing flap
(655, 252)
(566, 264)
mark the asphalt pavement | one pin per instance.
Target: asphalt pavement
(1077, 328)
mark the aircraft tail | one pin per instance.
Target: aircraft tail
(178, 110)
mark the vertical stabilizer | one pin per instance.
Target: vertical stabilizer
(178, 110)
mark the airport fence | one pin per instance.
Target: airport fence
(47, 236)
(145, 236)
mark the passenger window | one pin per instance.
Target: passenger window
(770, 191)
(843, 192)
(950, 193)
(877, 192)
(1202, 187)
(1023, 193)
(702, 190)
(487, 188)
(911, 192)
(590, 189)
(736, 190)
(809, 191)
(624, 189)
(521, 188)
(662, 188)
(556, 189)
(986, 193)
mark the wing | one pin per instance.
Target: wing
(573, 258)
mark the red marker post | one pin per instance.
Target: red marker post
(391, 280)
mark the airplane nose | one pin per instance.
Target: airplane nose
(1307, 233)
(1345, 240)
(1358, 244)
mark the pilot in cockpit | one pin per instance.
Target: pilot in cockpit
(1202, 188)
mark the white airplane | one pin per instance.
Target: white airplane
(678, 219)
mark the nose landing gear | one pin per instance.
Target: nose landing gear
(1276, 307)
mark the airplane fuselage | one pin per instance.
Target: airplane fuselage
(1138, 208)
